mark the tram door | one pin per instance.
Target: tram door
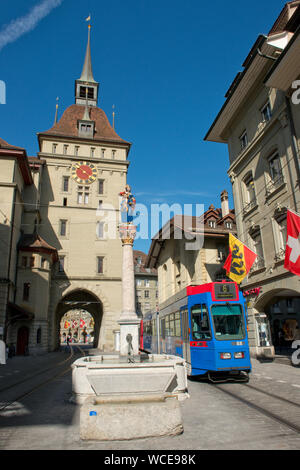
(186, 348)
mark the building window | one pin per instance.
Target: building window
(212, 223)
(113, 154)
(249, 190)
(258, 249)
(61, 265)
(66, 149)
(62, 228)
(100, 260)
(26, 289)
(100, 186)
(76, 151)
(275, 167)
(66, 184)
(147, 294)
(139, 283)
(54, 147)
(83, 193)
(43, 263)
(92, 152)
(103, 153)
(228, 225)
(146, 306)
(244, 140)
(266, 112)
(100, 230)
(31, 261)
(65, 202)
(87, 92)
(146, 283)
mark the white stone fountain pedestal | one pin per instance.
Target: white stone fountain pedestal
(147, 394)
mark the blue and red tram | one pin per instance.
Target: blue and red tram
(207, 327)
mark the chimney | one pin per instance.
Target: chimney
(224, 203)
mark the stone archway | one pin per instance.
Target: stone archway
(80, 299)
(282, 307)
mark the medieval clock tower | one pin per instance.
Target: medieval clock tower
(85, 169)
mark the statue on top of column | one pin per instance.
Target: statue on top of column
(128, 204)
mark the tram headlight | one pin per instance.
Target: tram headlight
(239, 355)
(225, 355)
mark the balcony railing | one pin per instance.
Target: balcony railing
(250, 206)
(280, 255)
(274, 184)
(258, 264)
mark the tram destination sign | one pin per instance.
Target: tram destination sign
(226, 291)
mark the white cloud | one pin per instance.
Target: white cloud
(16, 28)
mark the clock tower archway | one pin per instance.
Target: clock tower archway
(79, 299)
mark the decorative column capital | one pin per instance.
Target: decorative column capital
(127, 233)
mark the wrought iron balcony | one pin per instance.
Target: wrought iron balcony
(274, 184)
(280, 255)
(250, 206)
(258, 264)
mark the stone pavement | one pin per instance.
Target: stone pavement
(212, 420)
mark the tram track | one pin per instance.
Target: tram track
(5, 404)
(273, 410)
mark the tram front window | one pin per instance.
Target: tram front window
(228, 322)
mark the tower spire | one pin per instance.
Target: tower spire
(87, 81)
(87, 71)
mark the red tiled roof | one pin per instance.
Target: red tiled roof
(140, 268)
(35, 243)
(67, 125)
(4, 144)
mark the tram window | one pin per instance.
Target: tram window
(163, 328)
(177, 325)
(228, 321)
(167, 320)
(154, 327)
(148, 328)
(172, 324)
(200, 322)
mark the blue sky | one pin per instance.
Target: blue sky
(164, 64)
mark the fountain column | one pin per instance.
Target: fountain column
(129, 322)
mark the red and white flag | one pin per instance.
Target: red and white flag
(292, 253)
(82, 323)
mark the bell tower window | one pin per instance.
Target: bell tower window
(86, 92)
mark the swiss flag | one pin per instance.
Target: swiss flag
(292, 254)
(82, 323)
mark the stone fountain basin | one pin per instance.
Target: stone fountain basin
(111, 376)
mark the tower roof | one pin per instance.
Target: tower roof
(67, 125)
(87, 71)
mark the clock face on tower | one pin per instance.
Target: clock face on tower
(84, 173)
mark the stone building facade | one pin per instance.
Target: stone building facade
(260, 123)
(60, 212)
(146, 284)
(179, 267)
